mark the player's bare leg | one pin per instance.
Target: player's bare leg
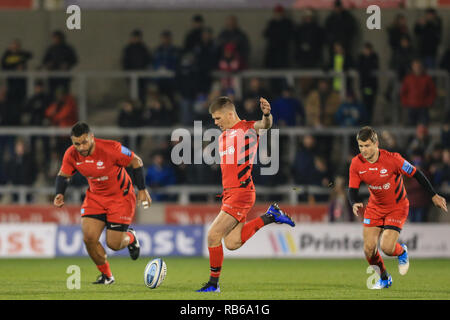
(220, 227)
(117, 240)
(390, 246)
(370, 237)
(92, 230)
(244, 231)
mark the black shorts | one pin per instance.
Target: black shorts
(109, 225)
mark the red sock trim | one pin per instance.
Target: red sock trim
(377, 260)
(398, 250)
(131, 237)
(250, 228)
(215, 260)
(104, 268)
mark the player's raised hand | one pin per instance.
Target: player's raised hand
(357, 207)
(144, 198)
(440, 202)
(59, 200)
(265, 105)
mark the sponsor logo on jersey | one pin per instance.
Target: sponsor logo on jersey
(100, 165)
(375, 187)
(383, 171)
(361, 172)
(78, 163)
(230, 150)
(386, 186)
(373, 169)
(89, 161)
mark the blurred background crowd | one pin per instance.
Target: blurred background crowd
(203, 66)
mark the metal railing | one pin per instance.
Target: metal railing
(289, 192)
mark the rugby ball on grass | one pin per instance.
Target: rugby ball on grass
(154, 273)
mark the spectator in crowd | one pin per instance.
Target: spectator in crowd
(389, 142)
(15, 59)
(367, 66)
(206, 59)
(34, 115)
(308, 167)
(35, 106)
(159, 174)
(308, 42)
(230, 62)
(421, 141)
(351, 113)
(340, 26)
(445, 132)
(445, 60)
(428, 30)
(233, 34)
(287, 110)
(63, 111)
(340, 61)
(434, 161)
(321, 105)
(166, 57)
(339, 210)
(250, 109)
(194, 37)
(403, 58)
(137, 57)
(396, 31)
(21, 168)
(419, 199)
(157, 109)
(417, 94)
(130, 116)
(278, 35)
(200, 108)
(441, 172)
(6, 141)
(256, 89)
(60, 56)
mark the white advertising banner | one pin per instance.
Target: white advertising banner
(337, 241)
(27, 240)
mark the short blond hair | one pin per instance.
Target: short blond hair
(221, 103)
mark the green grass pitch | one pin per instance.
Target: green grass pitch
(254, 279)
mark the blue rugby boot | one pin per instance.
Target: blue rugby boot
(209, 287)
(383, 284)
(278, 215)
(403, 261)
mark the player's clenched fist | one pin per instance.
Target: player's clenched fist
(440, 202)
(59, 200)
(144, 198)
(356, 208)
(265, 106)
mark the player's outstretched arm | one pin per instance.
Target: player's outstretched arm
(267, 119)
(138, 171)
(438, 201)
(62, 181)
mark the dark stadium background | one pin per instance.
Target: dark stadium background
(140, 94)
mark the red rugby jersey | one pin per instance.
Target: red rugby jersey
(104, 168)
(237, 147)
(383, 178)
